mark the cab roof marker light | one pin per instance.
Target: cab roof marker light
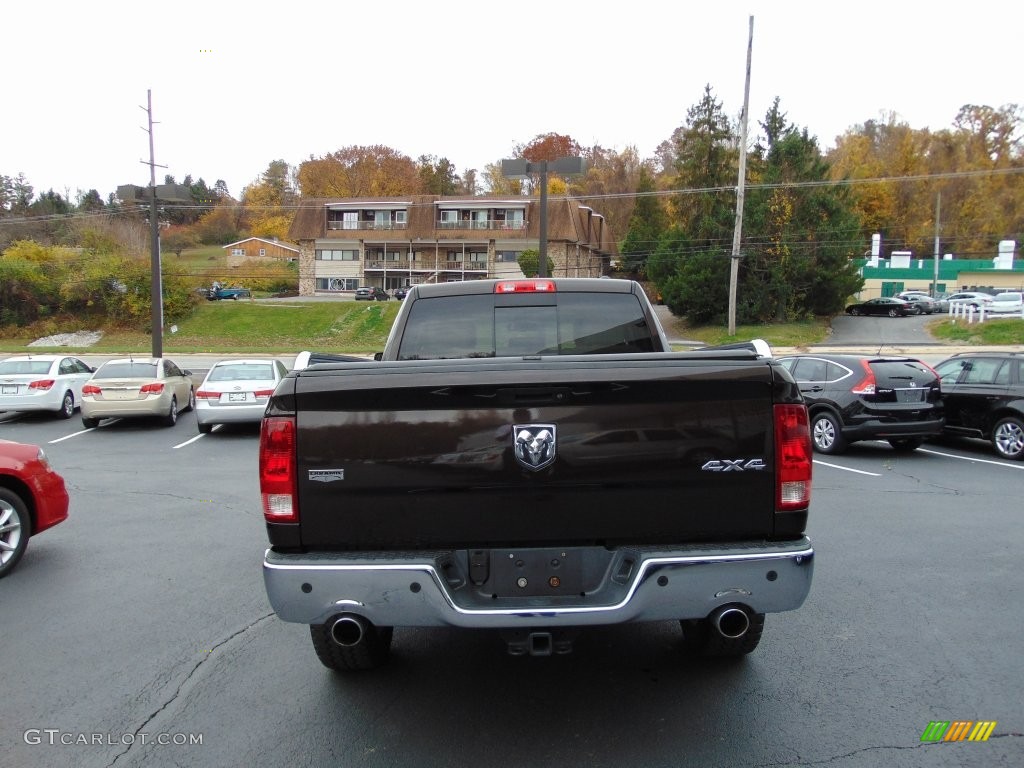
(524, 286)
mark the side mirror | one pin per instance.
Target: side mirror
(378, 356)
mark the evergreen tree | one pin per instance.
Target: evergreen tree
(646, 226)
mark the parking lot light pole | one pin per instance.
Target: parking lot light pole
(521, 169)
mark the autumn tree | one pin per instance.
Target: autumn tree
(355, 171)
(269, 204)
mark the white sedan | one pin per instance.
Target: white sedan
(237, 391)
(1009, 302)
(43, 383)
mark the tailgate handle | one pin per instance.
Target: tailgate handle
(533, 395)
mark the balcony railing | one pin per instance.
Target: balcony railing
(412, 266)
(376, 225)
(486, 224)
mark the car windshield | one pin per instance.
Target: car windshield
(126, 370)
(242, 372)
(8, 367)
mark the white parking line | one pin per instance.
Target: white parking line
(80, 432)
(847, 469)
(73, 434)
(188, 442)
(971, 458)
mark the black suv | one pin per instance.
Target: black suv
(367, 293)
(984, 396)
(860, 397)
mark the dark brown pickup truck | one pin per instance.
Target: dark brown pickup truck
(530, 456)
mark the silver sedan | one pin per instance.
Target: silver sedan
(237, 391)
(42, 383)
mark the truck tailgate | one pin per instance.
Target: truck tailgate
(415, 455)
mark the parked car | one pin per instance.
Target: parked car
(974, 299)
(921, 304)
(861, 397)
(885, 305)
(400, 293)
(236, 391)
(1008, 302)
(43, 383)
(367, 293)
(129, 388)
(984, 397)
(218, 294)
(32, 499)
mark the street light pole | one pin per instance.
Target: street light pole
(521, 169)
(542, 256)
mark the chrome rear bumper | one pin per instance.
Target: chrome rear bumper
(639, 584)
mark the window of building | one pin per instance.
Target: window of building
(350, 220)
(263, 251)
(336, 255)
(507, 256)
(238, 251)
(337, 283)
(449, 219)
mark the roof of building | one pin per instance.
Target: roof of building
(281, 243)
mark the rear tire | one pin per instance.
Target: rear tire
(172, 413)
(894, 313)
(700, 639)
(1008, 438)
(372, 652)
(906, 444)
(827, 434)
(67, 406)
(15, 530)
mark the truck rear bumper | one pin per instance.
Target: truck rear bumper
(637, 584)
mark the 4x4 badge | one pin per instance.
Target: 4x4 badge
(534, 445)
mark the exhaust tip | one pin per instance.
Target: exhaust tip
(348, 631)
(731, 622)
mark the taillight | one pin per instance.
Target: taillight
(867, 386)
(43, 384)
(90, 389)
(277, 469)
(153, 388)
(792, 458)
(263, 392)
(205, 394)
(524, 286)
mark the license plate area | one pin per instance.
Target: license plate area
(237, 397)
(910, 395)
(535, 573)
(10, 389)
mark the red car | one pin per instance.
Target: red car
(32, 499)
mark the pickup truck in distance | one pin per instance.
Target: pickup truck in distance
(530, 456)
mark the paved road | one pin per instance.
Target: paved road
(145, 613)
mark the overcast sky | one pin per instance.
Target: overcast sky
(236, 85)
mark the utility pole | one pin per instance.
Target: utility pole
(938, 209)
(156, 293)
(734, 266)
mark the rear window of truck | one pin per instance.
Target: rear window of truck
(573, 324)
